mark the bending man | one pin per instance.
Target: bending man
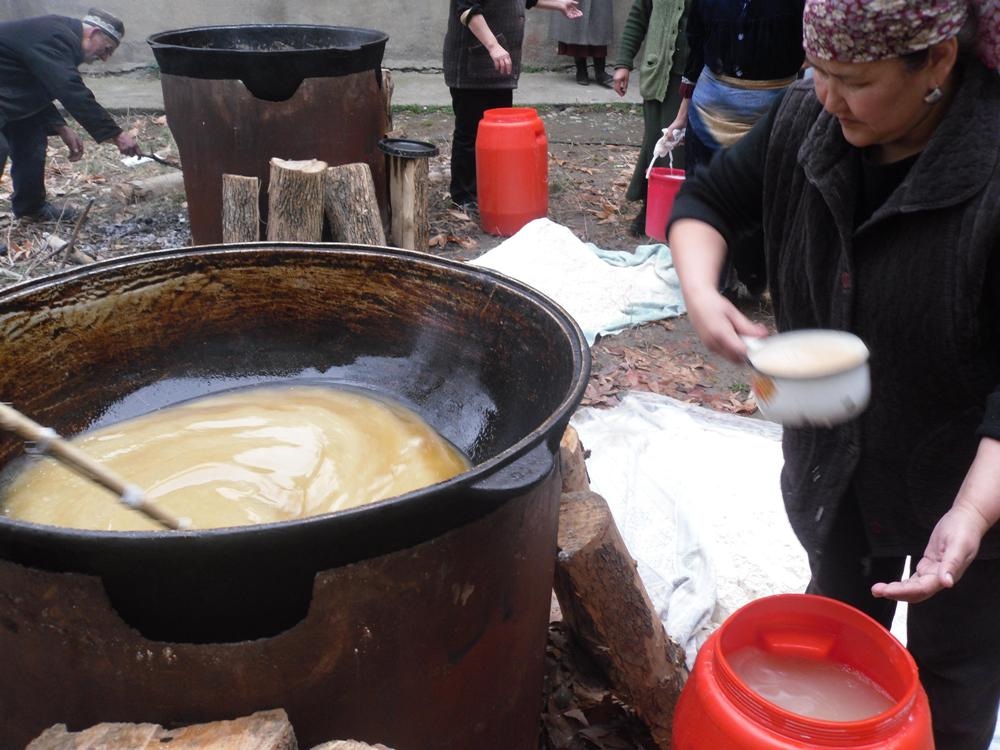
(38, 65)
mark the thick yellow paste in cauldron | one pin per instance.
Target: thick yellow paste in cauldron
(243, 457)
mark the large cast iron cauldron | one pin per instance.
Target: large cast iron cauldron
(236, 96)
(418, 621)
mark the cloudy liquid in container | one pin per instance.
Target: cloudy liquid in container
(808, 687)
(805, 357)
(241, 457)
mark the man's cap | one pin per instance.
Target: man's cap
(106, 22)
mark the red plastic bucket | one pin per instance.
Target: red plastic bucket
(718, 710)
(663, 184)
(512, 169)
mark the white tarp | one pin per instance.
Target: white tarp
(695, 495)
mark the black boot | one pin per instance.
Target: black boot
(638, 226)
(600, 74)
(581, 71)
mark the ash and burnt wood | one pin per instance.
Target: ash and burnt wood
(606, 605)
(264, 730)
(240, 208)
(350, 205)
(295, 200)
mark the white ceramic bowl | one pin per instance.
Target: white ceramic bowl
(810, 378)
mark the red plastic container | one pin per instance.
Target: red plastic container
(717, 711)
(663, 184)
(512, 169)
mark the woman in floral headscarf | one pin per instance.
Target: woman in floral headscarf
(877, 185)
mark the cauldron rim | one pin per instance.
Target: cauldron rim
(466, 482)
(157, 40)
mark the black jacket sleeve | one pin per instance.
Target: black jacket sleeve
(52, 60)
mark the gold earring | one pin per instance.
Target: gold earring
(934, 95)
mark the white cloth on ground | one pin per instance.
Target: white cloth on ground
(695, 495)
(606, 291)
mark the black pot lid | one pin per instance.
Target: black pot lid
(407, 148)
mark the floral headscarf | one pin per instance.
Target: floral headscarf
(867, 30)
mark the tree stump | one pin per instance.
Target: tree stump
(606, 605)
(408, 178)
(351, 206)
(295, 200)
(240, 208)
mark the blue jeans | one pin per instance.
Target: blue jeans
(25, 141)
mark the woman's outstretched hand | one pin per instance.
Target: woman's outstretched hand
(952, 546)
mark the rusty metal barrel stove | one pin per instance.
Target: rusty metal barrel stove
(236, 96)
(419, 621)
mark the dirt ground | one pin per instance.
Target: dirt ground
(593, 149)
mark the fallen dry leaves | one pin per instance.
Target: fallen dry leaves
(580, 711)
(683, 375)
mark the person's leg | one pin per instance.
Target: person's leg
(27, 142)
(469, 106)
(581, 71)
(601, 72)
(955, 639)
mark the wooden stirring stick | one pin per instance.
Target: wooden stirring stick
(46, 440)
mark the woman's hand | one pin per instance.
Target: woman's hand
(569, 8)
(680, 122)
(699, 253)
(955, 540)
(952, 546)
(620, 81)
(720, 324)
(501, 59)
(73, 142)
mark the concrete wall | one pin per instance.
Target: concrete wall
(415, 27)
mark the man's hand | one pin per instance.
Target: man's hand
(127, 144)
(73, 142)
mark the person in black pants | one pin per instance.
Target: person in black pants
(38, 64)
(482, 62)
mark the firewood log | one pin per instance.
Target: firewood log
(295, 201)
(264, 730)
(606, 606)
(146, 188)
(351, 206)
(240, 208)
(572, 460)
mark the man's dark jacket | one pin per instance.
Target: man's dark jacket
(38, 65)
